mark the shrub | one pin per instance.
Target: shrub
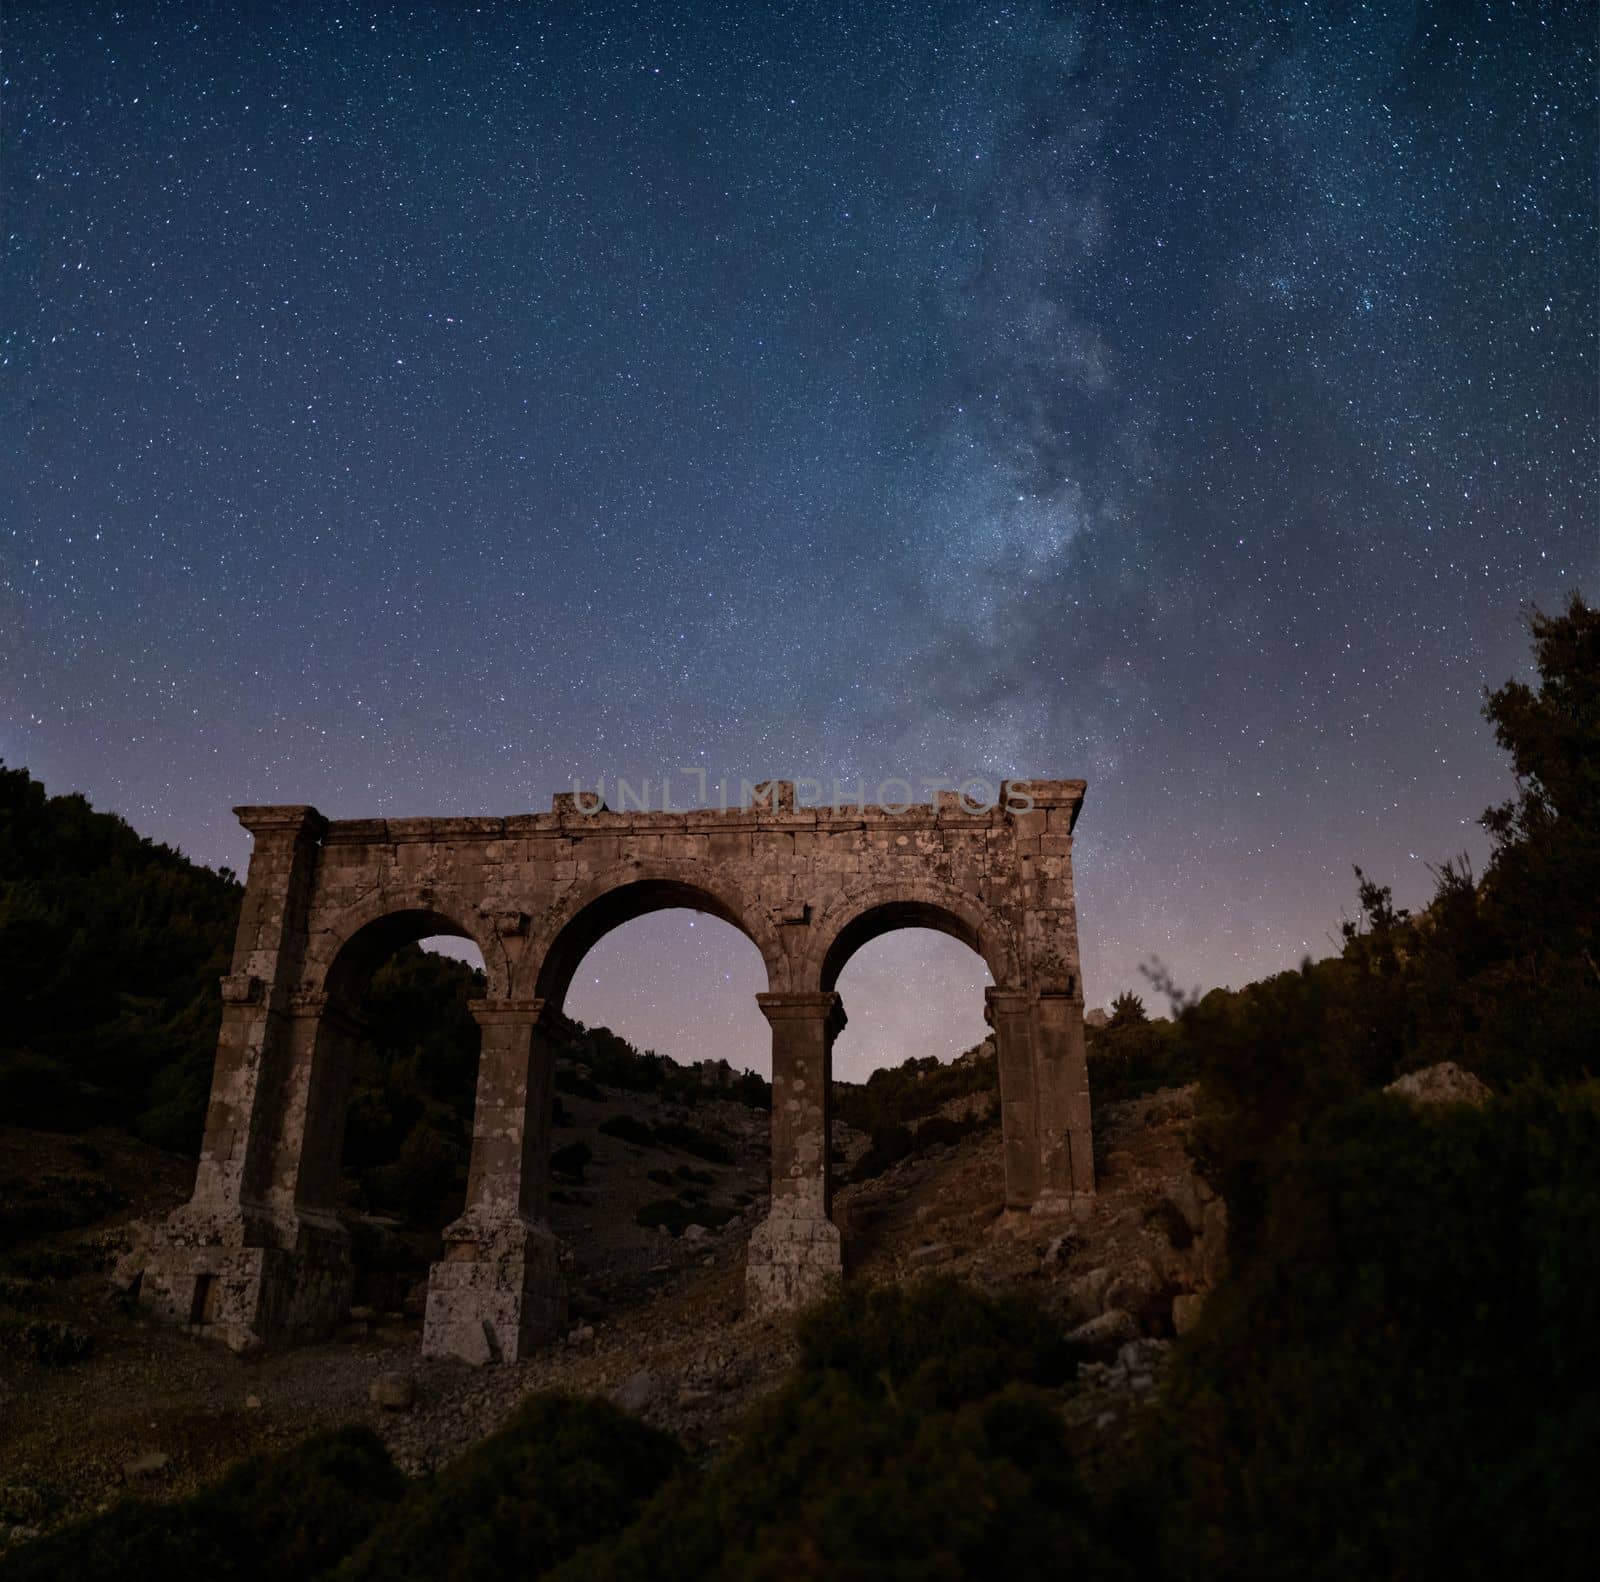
(45, 1341)
(575, 1082)
(911, 1440)
(572, 1160)
(691, 1140)
(17, 1290)
(31, 1207)
(561, 1473)
(1399, 1378)
(293, 1514)
(628, 1130)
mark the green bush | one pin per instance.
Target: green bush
(691, 1140)
(1400, 1378)
(571, 1161)
(900, 1095)
(561, 1473)
(31, 1206)
(45, 1341)
(628, 1130)
(292, 1514)
(911, 1440)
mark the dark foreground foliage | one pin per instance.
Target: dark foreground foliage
(916, 1437)
(561, 1473)
(1397, 1378)
(294, 1514)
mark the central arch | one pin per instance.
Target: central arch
(619, 897)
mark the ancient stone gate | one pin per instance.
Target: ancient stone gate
(260, 1256)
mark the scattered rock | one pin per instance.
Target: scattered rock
(1101, 1337)
(581, 1336)
(638, 1392)
(928, 1254)
(1058, 1251)
(363, 1315)
(150, 1466)
(1445, 1083)
(695, 1232)
(129, 1267)
(252, 1403)
(394, 1392)
(1134, 1286)
(1186, 1311)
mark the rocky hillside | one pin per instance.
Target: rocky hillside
(656, 1231)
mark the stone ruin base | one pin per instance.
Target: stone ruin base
(207, 1279)
(791, 1262)
(497, 1295)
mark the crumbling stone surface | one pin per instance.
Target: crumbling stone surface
(259, 1256)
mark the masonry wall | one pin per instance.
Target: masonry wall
(327, 902)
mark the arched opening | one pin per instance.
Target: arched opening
(914, 1070)
(660, 1078)
(398, 1052)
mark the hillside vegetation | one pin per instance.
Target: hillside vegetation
(1396, 1376)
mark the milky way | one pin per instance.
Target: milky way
(412, 410)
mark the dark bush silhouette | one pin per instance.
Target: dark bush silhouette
(912, 1440)
(561, 1473)
(293, 1514)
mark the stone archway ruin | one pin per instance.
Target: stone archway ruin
(258, 1256)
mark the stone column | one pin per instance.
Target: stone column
(222, 1263)
(1066, 1134)
(1010, 1013)
(498, 1292)
(794, 1255)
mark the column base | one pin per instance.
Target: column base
(1056, 1204)
(210, 1278)
(497, 1295)
(791, 1262)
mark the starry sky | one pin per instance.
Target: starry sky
(409, 409)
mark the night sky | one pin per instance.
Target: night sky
(410, 409)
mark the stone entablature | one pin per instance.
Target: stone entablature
(259, 1254)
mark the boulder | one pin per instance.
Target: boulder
(1134, 1286)
(637, 1392)
(1102, 1337)
(129, 1267)
(149, 1466)
(1445, 1083)
(929, 1254)
(394, 1391)
(1186, 1311)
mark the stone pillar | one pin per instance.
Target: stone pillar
(1066, 1134)
(498, 1293)
(794, 1254)
(1010, 1013)
(224, 1263)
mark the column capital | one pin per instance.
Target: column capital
(512, 1013)
(827, 1008)
(289, 819)
(1006, 1002)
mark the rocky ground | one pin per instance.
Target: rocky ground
(657, 1317)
